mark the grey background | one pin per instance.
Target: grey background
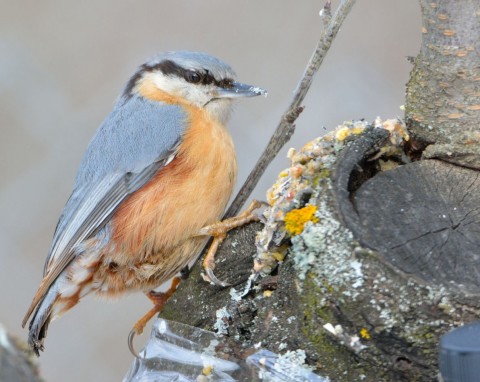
(63, 63)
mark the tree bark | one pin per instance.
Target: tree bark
(443, 94)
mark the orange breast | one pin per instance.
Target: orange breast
(190, 192)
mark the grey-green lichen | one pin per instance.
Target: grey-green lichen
(300, 185)
(337, 279)
(326, 250)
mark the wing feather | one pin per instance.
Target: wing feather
(129, 148)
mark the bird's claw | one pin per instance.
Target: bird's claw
(219, 232)
(213, 279)
(131, 336)
(209, 261)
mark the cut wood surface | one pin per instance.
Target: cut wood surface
(422, 217)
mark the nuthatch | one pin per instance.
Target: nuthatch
(159, 169)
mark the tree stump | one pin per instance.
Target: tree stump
(380, 260)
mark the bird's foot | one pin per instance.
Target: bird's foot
(159, 300)
(219, 232)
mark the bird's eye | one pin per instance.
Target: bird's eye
(192, 77)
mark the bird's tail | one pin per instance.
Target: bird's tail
(40, 320)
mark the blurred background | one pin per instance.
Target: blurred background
(62, 65)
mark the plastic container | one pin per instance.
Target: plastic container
(459, 356)
(182, 353)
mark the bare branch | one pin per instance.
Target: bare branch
(286, 126)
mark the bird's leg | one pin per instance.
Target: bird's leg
(159, 300)
(219, 232)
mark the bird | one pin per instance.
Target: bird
(150, 190)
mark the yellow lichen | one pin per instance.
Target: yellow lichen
(345, 131)
(267, 293)
(365, 334)
(278, 256)
(342, 133)
(357, 130)
(207, 370)
(295, 220)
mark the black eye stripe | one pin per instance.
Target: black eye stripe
(168, 67)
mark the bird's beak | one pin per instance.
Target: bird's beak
(240, 90)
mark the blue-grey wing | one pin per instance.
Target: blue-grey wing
(130, 147)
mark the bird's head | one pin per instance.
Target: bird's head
(190, 78)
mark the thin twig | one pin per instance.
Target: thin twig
(286, 126)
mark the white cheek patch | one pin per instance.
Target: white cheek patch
(195, 94)
(168, 84)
